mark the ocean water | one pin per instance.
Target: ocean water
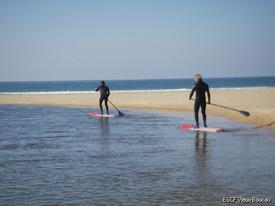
(129, 85)
(61, 156)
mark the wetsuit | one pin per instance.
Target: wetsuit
(200, 87)
(104, 94)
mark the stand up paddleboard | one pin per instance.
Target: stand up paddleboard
(190, 127)
(97, 115)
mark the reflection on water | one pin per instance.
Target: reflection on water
(104, 138)
(201, 150)
(104, 128)
(201, 144)
(65, 157)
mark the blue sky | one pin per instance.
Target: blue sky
(75, 40)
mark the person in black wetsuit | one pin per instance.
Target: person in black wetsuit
(200, 87)
(104, 94)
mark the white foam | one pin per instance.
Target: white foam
(239, 88)
(124, 91)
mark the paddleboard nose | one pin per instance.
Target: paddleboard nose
(186, 126)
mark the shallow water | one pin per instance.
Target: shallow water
(61, 156)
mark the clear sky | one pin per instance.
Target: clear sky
(135, 39)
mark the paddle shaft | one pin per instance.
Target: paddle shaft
(225, 107)
(121, 113)
(245, 113)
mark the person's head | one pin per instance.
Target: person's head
(102, 82)
(197, 77)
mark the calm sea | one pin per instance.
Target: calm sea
(61, 156)
(129, 85)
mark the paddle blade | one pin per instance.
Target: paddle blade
(245, 113)
(120, 113)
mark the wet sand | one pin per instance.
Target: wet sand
(260, 102)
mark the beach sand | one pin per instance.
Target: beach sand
(260, 102)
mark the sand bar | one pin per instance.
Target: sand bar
(260, 102)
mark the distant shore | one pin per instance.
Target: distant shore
(260, 102)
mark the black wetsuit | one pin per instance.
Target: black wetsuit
(104, 94)
(200, 87)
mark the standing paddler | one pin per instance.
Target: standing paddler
(104, 94)
(200, 87)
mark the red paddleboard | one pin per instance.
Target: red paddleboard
(190, 127)
(97, 115)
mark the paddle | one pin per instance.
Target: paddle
(119, 112)
(244, 113)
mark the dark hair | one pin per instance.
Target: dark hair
(102, 82)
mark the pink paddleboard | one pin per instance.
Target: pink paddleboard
(97, 115)
(190, 127)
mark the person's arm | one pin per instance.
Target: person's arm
(108, 92)
(192, 92)
(96, 89)
(208, 94)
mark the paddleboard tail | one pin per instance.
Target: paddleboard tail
(97, 115)
(190, 127)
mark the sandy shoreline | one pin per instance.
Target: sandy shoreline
(260, 102)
